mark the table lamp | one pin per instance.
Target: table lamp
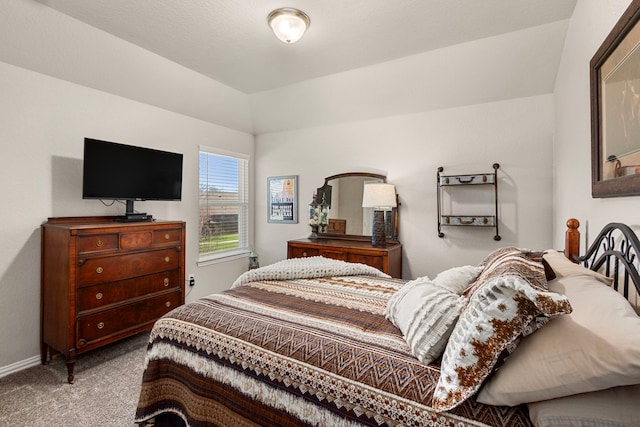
(380, 197)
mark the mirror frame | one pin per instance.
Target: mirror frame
(622, 38)
(393, 216)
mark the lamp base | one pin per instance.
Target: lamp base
(378, 234)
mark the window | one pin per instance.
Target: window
(224, 204)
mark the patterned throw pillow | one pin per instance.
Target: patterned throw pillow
(426, 315)
(513, 262)
(505, 302)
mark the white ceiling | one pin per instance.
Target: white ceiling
(230, 41)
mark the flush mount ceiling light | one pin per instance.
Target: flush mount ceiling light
(288, 24)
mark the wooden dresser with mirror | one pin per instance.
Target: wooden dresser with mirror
(347, 236)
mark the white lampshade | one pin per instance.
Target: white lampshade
(288, 24)
(381, 196)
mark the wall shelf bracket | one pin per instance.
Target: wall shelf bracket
(450, 182)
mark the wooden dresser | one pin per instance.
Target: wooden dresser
(387, 259)
(104, 280)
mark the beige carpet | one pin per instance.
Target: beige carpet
(105, 392)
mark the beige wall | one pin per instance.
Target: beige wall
(463, 107)
(44, 120)
(408, 149)
(406, 118)
(591, 23)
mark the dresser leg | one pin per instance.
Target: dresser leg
(44, 353)
(71, 363)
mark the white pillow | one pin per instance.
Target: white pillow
(595, 347)
(616, 406)
(563, 267)
(458, 279)
(426, 315)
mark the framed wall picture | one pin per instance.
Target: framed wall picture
(615, 110)
(282, 199)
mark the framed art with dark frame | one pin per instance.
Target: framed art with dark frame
(282, 199)
(615, 109)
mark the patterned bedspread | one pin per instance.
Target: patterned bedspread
(315, 351)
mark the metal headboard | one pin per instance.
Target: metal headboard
(614, 253)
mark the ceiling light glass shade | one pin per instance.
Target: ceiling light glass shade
(288, 24)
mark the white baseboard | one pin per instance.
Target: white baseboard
(19, 366)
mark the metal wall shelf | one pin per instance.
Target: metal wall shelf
(468, 220)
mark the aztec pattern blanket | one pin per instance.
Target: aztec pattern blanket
(316, 352)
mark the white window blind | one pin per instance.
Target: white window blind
(224, 203)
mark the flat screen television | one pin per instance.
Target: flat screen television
(113, 171)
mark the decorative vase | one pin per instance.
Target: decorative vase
(314, 231)
(314, 218)
(318, 216)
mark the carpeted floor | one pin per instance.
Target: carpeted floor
(105, 393)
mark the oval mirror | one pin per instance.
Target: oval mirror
(343, 194)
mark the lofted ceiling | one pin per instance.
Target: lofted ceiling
(230, 41)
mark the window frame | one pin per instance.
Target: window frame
(244, 204)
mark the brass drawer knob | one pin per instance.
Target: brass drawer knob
(166, 236)
(168, 303)
(304, 254)
(99, 295)
(99, 243)
(99, 270)
(166, 281)
(167, 259)
(100, 325)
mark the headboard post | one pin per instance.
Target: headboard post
(572, 240)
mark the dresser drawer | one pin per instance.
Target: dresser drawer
(304, 252)
(339, 255)
(112, 268)
(387, 259)
(372, 260)
(136, 240)
(95, 296)
(109, 322)
(98, 242)
(164, 237)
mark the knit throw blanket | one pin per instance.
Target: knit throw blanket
(307, 268)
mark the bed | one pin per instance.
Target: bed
(328, 343)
